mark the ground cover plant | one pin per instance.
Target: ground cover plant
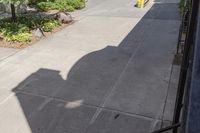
(21, 29)
(61, 5)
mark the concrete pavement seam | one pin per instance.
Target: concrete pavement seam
(87, 105)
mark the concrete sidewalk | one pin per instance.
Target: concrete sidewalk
(7, 52)
(110, 72)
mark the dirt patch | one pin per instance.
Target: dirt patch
(21, 45)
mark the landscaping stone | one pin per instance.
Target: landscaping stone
(22, 8)
(31, 9)
(38, 33)
(1, 7)
(64, 17)
(6, 8)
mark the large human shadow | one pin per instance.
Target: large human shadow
(53, 105)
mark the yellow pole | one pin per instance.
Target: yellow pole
(140, 3)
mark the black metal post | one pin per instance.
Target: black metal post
(185, 63)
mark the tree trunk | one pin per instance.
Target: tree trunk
(14, 18)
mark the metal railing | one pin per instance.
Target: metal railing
(190, 20)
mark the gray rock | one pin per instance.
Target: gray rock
(22, 8)
(31, 9)
(6, 8)
(64, 17)
(2, 8)
(38, 33)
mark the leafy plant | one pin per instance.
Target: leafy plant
(62, 5)
(20, 31)
(20, 37)
(76, 4)
(49, 24)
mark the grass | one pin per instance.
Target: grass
(61, 5)
(21, 30)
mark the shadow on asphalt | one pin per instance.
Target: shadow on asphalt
(43, 94)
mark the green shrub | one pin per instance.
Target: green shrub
(62, 5)
(15, 31)
(76, 4)
(32, 22)
(33, 2)
(49, 24)
(45, 6)
(20, 31)
(20, 37)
